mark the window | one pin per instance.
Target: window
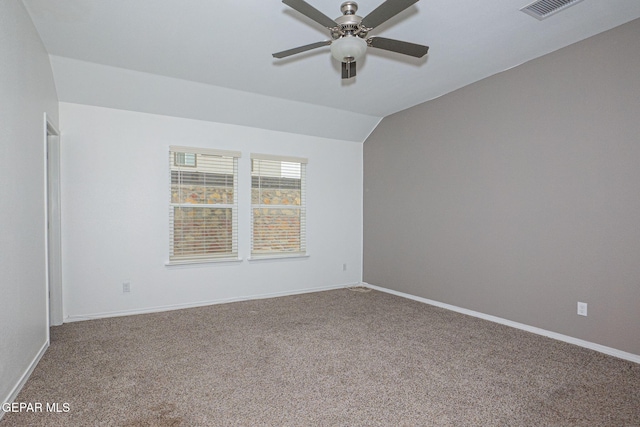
(203, 213)
(278, 209)
(185, 159)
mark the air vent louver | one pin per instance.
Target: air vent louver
(544, 8)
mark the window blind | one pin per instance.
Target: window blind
(278, 205)
(203, 211)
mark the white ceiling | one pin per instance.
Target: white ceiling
(228, 44)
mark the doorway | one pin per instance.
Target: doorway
(53, 234)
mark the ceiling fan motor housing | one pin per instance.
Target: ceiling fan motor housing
(349, 24)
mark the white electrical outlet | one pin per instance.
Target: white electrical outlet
(582, 308)
(344, 267)
(126, 287)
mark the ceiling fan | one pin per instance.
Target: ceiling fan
(349, 32)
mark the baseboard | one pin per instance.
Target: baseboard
(23, 379)
(560, 337)
(158, 309)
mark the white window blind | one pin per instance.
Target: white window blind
(278, 205)
(203, 211)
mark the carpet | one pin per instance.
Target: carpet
(332, 358)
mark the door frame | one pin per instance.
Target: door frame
(53, 247)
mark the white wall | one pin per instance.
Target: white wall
(115, 199)
(27, 91)
(87, 83)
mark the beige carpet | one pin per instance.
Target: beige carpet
(335, 358)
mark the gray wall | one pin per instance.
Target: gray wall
(519, 195)
(27, 91)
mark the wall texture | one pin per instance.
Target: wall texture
(27, 91)
(115, 204)
(518, 196)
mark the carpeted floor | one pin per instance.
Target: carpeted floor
(334, 358)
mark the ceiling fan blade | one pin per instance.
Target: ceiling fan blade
(405, 48)
(311, 12)
(301, 49)
(348, 69)
(385, 11)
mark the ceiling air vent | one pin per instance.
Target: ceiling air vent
(542, 9)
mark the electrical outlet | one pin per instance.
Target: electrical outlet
(126, 287)
(582, 308)
(344, 267)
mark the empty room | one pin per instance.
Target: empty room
(319, 213)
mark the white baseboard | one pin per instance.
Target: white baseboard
(560, 337)
(23, 379)
(158, 309)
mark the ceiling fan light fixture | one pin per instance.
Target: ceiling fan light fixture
(348, 48)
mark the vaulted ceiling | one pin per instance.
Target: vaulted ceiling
(222, 49)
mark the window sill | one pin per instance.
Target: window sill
(259, 258)
(201, 262)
